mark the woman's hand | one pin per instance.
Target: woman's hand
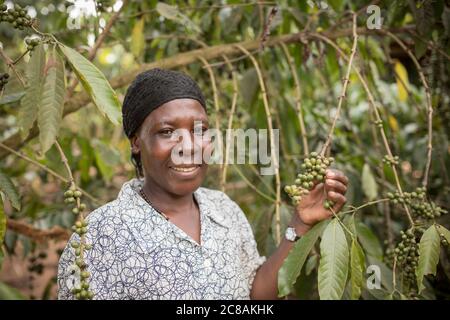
(310, 210)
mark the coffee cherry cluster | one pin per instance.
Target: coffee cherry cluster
(31, 43)
(73, 196)
(82, 291)
(378, 123)
(313, 170)
(391, 160)
(3, 80)
(17, 16)
(407, 253)
(416, 201)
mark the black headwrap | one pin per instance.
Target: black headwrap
(153, 88)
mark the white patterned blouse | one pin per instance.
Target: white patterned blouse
(137, 254)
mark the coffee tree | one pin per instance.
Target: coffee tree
(356, 85)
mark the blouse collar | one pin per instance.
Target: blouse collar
(130, 191)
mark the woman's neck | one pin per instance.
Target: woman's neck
(168, 203)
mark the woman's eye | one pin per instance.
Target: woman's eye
(200, 131)
(166, 132)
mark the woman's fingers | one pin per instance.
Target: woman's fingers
(338, 199)
(336, 175)
(336, 185)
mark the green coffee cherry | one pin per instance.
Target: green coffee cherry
(68, 194)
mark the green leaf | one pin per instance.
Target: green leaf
(52, 104)
(357, 265)
(10, 98)
(10, 293)
(428, 255)
(368, 183)
(95, 83)
(293, 264)
(172, 13)
(106, 158)
(311, 264)
(8, 188)
(369, 241)
(167, 11)
(333, 267)
(2, 225)
(138, 38)
(30, 102)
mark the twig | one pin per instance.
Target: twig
(428, 100)
(230, 120)
(365, 205)
(266, 31)
(38, 235)
(298, 99)
(216, 105)
(79, 101)
(267, 3)
(344, 88)
(65, 162)
(11, 65)
(251, 185)
(272, 142)
(372, 104)
(50, 171)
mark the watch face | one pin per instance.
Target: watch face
(290, 234)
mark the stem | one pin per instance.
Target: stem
(47, 169)
(266, 31)
(230, 120)
(373, 106)
(344, 88)
(298, 99)
(365, 205)
(216, 105)
(11, 65)
(82, 100)
(251, 185)
(428, 101)
(272, 142)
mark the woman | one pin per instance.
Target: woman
(165, 237)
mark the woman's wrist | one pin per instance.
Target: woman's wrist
(301, 228)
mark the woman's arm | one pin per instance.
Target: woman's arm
(265, 284)
(308, 213)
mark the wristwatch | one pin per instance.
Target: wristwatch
(291, 234)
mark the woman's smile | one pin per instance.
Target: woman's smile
(186, 170)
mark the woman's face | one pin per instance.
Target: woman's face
(171, 142)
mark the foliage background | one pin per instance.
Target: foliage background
(140, 38)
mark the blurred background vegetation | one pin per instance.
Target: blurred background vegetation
(144, 34)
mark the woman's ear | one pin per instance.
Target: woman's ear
(135, 144)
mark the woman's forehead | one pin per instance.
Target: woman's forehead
(178, 110)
